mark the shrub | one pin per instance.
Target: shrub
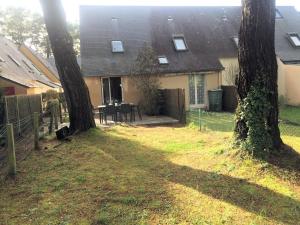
(145, 74)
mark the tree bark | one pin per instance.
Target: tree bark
(258, 66)
(75, 90)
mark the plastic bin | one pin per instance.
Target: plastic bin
(215, 100)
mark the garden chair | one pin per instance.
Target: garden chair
(125, 109)
(110, 110)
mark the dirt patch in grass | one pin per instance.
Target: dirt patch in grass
(147, 175)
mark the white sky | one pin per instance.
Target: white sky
(72, 6)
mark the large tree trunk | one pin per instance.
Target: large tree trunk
(257, 114)
(75, 89)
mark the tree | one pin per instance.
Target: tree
(15, 24)
(257, 114)
(75, 89)
(21, 25)
(145, 72)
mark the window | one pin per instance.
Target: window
(14, 60)
(163, 60)
(196, 89)
(295, 39)
(278, 14)
(179, 43)
(29, 67)
(236, 41)
(117, 46)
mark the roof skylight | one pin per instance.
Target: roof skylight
(14, 60)
(278, 14)
(170, 18)
(29, 67)
(295, 39)
(163, 60)
(179, 43)
(236, 41)
(117, 46)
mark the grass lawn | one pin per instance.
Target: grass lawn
(291, 114)
(148, 175)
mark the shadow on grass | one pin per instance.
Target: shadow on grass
(287, 159)
(238, 192)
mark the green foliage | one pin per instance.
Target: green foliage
(123, 176)
(23, 26)
(145, 74)
(50, 94)
(255, 109)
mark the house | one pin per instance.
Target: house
(195, 46)
(18, 76)
(40, 63)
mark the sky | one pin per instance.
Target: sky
(72, 6)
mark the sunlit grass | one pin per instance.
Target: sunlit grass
(148, 175)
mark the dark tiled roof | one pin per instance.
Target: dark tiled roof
(290, 23)
(51, 61)
(23, 71)
(208, 32)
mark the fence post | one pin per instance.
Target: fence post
(18, 115)
(56, 116)
(6, 110)
(12, 166)
(199, 118)
(60, 113)
(36, 130)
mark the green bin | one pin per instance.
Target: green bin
(215, 100)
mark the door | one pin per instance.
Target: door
(197, 89)
(112, 90)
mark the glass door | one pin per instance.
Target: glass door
(112, 90)
(197, 89)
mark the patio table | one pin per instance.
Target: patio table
(103, 112)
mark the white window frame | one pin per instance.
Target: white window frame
(162, 57)
(196, 91)
(180, 37)
(278, 14)
(294, 35)
(109, 86)
(112, 46)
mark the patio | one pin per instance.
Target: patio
(108, 115)
(146, 120)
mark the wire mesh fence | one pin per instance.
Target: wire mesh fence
(19, 112)
(224, 122)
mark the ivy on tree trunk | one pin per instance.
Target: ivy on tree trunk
(257, 113)
(75, 89)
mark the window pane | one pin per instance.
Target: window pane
(106, 94)
(296, 40)
(117, 46)
(180, 44)
(278, 14)
(163, 60)
(192, 89)
(236, 40)
(200, 89)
